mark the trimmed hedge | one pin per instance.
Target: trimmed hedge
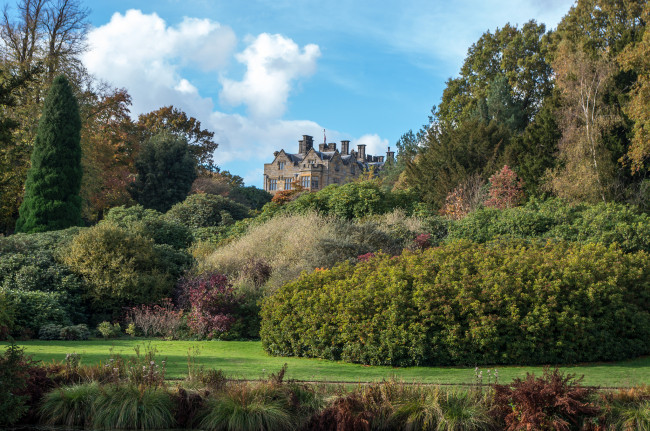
(465, 303)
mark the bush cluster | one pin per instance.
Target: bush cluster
(465, 303)
(604, 223)
(58, 332)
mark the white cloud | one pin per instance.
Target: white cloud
(272, 63)
(143, 54)
(375, 145)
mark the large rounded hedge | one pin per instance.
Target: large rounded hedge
(465, 303)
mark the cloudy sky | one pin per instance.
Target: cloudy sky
(261, 73)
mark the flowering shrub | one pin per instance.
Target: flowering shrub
(213, 302)
(465, 303)
(157, 320)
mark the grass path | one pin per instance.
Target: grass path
(246, 359)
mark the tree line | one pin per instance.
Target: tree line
(566, 109)
(43, 39)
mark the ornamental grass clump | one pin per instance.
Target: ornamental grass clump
(132, 407)
(71, 406)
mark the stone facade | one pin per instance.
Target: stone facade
(315, 169)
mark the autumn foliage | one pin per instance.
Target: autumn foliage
(505, 189)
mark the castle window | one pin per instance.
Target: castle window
(304, 181)
(314, 182)
(287, 183)
(336, 167)
(280, 165)
(273, 184)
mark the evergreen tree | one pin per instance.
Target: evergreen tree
(52, 199)
(166, 171)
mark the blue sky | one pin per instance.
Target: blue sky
(261, 73)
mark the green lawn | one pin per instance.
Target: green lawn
(246, 359)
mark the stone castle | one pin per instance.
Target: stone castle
(314, 170)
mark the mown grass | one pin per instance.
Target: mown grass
(247, 360)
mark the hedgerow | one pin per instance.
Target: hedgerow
(512, 302)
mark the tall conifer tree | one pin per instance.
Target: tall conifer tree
(53, 182)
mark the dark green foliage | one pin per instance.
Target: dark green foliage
(123, 268)
(204, 210)
(166, 170)
(50, 331)
(151, 224)
(251, 196)
(450, 157)
(32, 243)
(38, 271)
(533, 152)
(466, 303)
(33, 309)
(52, 198)
(13, 381)
(604, 223)
(59, 332)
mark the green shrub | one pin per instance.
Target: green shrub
(50, 331)
(39, 271)
(29, 243)
(109, 331)
(251, 196)
(7, 316)
(466, 303)
(123, 268)
(151, 224)
(604, 223)
(34, 309)
(353, 200)
(75, 332)
(203, 210)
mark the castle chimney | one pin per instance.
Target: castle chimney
(331, 146)
(362, 153)
(345, 147)
(380, 159)
(308, 144)
(322, 147)
(390, 155)
(301, 147)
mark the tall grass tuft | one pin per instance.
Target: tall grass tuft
(462, 411)
(131, 407)
(242, 408)
(69, 405)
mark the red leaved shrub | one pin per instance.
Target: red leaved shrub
(213, 302)
(554, 401)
